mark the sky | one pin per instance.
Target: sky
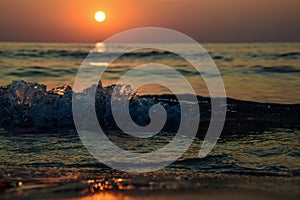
(203, 20)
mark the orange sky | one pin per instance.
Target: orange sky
(204, 20)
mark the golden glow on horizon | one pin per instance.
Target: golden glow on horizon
(100, 16)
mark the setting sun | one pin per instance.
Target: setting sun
(100, 16)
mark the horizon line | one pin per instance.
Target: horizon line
(203, 42)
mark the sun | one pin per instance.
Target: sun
(100, 16)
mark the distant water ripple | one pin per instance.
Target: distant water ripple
(258, 72)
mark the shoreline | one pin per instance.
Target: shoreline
(167, 186)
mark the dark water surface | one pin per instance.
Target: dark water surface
(58, 163)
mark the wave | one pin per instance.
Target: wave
(39, 71)
(149, 53)
(287, 56)
(79, 54)
(222, 58)
(224, 164)
(274, 69)
(142, 54)
(290, 55)
(28, 106)
(27, 53)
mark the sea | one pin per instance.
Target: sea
(55, 164)
(267, 72)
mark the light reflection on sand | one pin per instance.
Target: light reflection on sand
(179, 196)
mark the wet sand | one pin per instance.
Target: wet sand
(171, 186)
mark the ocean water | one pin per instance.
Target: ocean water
(256, 72)
(272, 153)
(55, 164)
